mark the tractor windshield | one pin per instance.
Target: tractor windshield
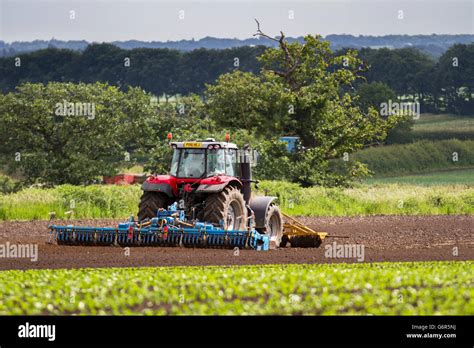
(197, 163)
(188, 163)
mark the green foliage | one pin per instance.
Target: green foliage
(8, 185)
(443, 86)
(373, 95)
(419, 157)
(186, 119)
(158, 71)
(274, 161)
(401, 69)
(438, 86)
(241, 100)
(303, 90)
(427, 288)
(455, 79)
(52, 147)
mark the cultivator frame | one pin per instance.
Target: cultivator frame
(169, 229)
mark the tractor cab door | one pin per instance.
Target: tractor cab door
(215, 162)
(231, 165)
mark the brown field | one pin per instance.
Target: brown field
(385, 238)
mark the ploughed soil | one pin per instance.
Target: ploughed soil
(384, 238)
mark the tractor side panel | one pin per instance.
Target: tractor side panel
(217, 184)
(259, 205)
(211, 188)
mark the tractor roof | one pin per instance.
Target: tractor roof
(204, 144)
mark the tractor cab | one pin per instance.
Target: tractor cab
(203, 159)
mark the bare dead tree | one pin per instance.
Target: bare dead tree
(291, 64)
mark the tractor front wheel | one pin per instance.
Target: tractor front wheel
(227, 206)
(150, 203)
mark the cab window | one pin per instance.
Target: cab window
(231, 162)
(215, 162)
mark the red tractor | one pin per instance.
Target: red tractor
(211, 181)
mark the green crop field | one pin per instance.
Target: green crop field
(454, 177)
(444, 126)
(418, 158)
(421, 288)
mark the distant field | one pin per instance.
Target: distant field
(462, 177)
(418, 158)
(419, 288)
(439, 127)
(431, 122)
(383, 199)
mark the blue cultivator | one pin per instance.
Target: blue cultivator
(168, 228)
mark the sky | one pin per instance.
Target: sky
(152, 20)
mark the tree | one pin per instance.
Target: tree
(185, 119)
(398, 68)
(373, 95)
(455, 79)
(71, 133)
(303, 90)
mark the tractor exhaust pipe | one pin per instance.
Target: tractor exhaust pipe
(246, 174)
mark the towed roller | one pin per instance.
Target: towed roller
(299, 235)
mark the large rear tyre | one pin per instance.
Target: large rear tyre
(150, 203)
(273, 226)
(227, 206)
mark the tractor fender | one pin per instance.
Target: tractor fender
(217, 184)
(259, 205)
(158, 187)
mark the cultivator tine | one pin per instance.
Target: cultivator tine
(157, 233)
(167, 231)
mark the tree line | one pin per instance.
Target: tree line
(158, 71)
(63, 132)
(443, 85)
(434, 45)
